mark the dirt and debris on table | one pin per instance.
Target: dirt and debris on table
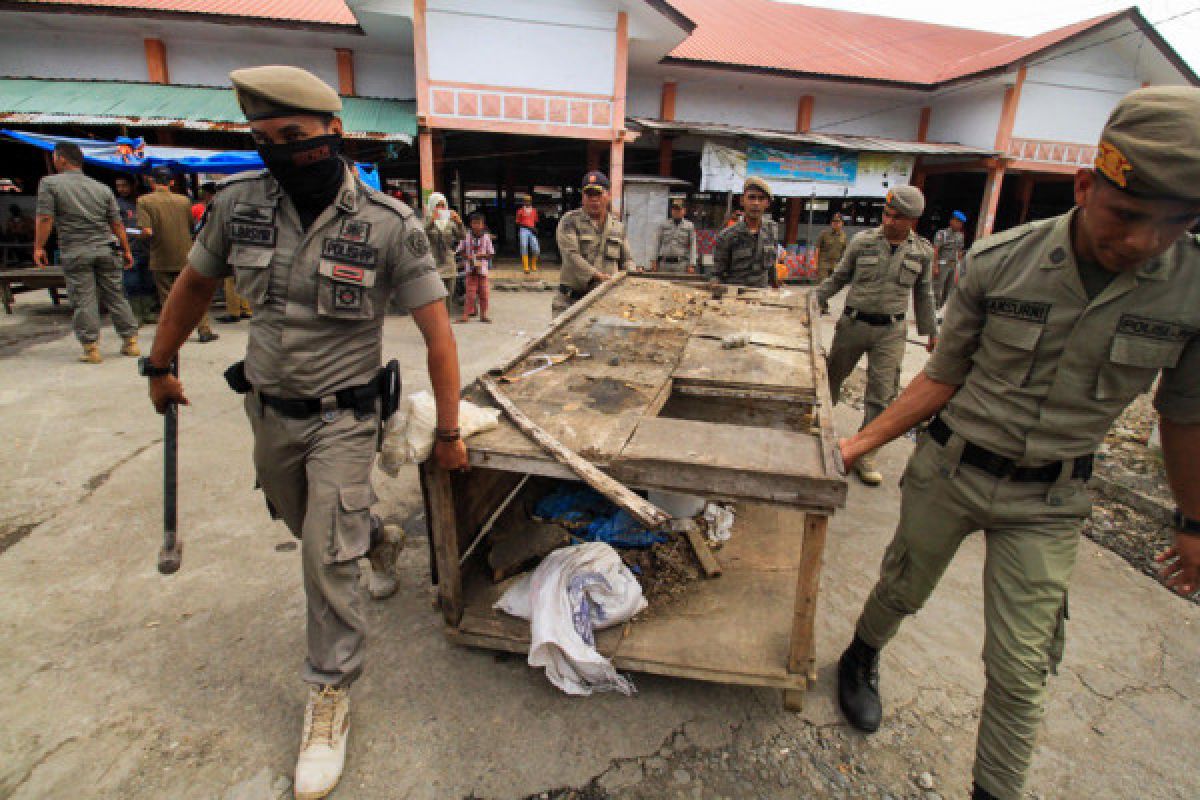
(665, 570)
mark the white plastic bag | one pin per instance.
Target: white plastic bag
(574, 591)
(410, 432)
(720, 523)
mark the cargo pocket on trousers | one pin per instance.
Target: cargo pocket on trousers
(251, 272)
(1058, 641)
(352, 524)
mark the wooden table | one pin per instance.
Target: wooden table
(29, 279)
(661, 405)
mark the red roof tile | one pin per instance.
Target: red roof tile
(761, 34)
(323, 12)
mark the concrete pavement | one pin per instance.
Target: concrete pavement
(123, 683)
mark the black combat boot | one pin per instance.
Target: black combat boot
(858, 686)
(981, 794)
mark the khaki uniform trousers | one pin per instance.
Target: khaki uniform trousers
(1032, 533)
(235, 304)
(884, 348)
(97, 275)
(944, 283)
(316, 476)
(163, 281)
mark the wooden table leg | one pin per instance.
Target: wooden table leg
(802, 654)
(443, 530)
(8, 298)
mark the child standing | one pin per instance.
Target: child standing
(476, 251)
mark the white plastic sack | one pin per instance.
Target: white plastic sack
(720, 523)
(574, 591)
(410, 432)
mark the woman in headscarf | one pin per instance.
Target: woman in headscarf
(445, 230)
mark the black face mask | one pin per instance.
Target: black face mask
(309, 170)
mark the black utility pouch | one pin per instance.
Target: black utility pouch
(235, 376)
(388, 383)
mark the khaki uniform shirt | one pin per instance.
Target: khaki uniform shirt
(1043, 371)
(169, 216)
(882, 281)
(83, 210)
(587, 249)
(319, 296)
(950, 246)
(444, 244)
(830, 248)
(744, 258)
(676, 242)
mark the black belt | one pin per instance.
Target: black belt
(672, 259)
(1001, 467)
(874, 319)
(360, 398)
(572, 294)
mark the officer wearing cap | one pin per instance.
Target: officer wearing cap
(164, 218)
(949, 247)
(1055, 328)
(883, 267)
(831, 246)
(745, 252)
(675, 242)
(318, 254)
(592, 243)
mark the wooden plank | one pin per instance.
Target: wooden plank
(704, 553)
(830, 450)
(706, 361)
(443, 529)
(802, 652)
(643, 511)
(478, 494)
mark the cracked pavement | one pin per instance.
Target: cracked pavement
(123, 683)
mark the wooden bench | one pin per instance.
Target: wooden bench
(30, 279)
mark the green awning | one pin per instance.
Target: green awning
(28, 100)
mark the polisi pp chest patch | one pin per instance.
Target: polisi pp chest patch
(350, 252)
(1016, 308)
(1149, 328)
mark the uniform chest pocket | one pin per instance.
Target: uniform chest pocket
(910, 270)
(1008, 349)
(612, 249)
(1133, 363)
(866, 267)
(251, 272)
(742, 255)
(344, 291)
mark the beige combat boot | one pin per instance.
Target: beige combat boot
(323, 746)
(130, 348)
(91, 353)
(868, 473)
(386, 543)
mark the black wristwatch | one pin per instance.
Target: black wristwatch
(1185, 524)
(148, 370)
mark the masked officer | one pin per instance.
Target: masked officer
(949, 246)
(745, 252)
(675, 243)
(318, 254)
(592, 243)
(1055, 328)
(883, 268)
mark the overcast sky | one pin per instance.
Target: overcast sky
(1027, 17)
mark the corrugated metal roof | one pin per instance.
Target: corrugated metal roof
(156, 105)
(825, 42)
(324, 12)
(865, 144)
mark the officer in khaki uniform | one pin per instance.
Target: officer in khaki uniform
(675, 243)
(318, 254)
(592, 243)
(884, 267)
(745, 252)
(1055, 328)
(949, 247)
(831, 246)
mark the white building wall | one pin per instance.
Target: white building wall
(385, 75)
(967, 116)
(207, 64)
(72, 56)
(1069, 99)
(565, 46)
(643, 96)
(893, 116)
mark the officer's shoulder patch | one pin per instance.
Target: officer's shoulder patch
(241, 177)
(417, 243)
(388, 202)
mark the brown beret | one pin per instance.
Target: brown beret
(278, 91)
(755, 182)
(906, 201)
(1150, 145)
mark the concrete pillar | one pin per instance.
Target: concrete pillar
(804, 112)
(991, 201)
(425, 151)
(156, 61)
(616, 174)
(345, 68)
